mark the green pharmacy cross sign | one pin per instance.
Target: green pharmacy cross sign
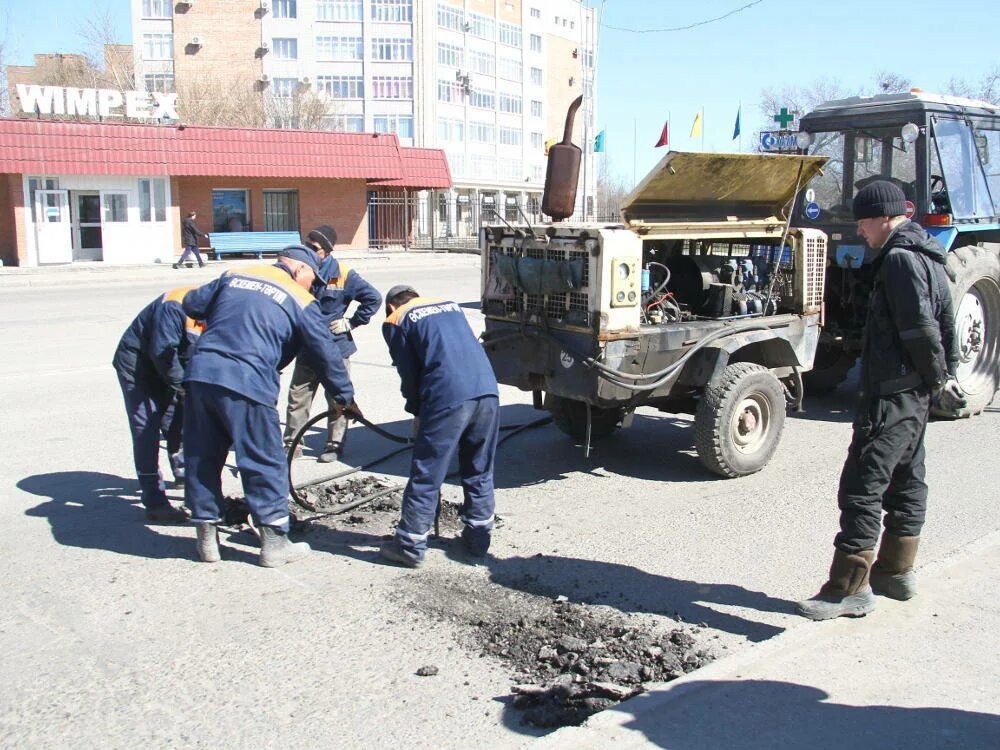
(784, 117)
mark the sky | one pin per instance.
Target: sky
(645, 77)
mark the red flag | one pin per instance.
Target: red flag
(663, 137)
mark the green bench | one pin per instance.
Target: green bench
(254, 243)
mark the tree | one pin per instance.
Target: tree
(611, 191)
(986, 89)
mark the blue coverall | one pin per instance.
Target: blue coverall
(448, 383)
(149, 361)
(257, 319)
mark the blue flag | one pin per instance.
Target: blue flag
(736, 130)
(599, 143)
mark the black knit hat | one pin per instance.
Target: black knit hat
(879, 198)
(325, 236)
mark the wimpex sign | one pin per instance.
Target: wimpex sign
(61, 100)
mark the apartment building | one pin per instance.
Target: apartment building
(488, 81)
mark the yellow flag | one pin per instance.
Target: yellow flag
(696, 126)
(549, 143)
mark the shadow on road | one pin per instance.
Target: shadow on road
(93, 510)
(629, 589)
(765, 714)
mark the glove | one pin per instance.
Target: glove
(950, 396)
(353, 411)
(341, 325)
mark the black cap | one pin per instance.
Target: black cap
(304, 254)
(324, 236)
(879, 198)
(399, 289)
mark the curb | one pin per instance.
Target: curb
(795, 639)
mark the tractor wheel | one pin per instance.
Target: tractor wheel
(571, 417)
(739, 420)
(830, 368)
(975, 295)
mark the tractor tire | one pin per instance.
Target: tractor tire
(739, 420)
(571, 417)
(975, 295)
(830, 368)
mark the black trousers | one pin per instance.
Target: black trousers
(884, 470)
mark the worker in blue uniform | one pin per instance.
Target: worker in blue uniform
(449, 385)
(150, 361)
(257, 320)
(343, 286)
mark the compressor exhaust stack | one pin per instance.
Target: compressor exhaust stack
(563, 171)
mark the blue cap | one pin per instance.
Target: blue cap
(305, 255)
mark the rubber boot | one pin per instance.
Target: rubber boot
(277, 549)
(208, 543)
(892, 573)
(846, 593)
(166, 513)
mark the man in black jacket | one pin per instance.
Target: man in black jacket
(909, 355)
(189, 238)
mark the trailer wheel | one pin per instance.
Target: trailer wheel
(571, 417)
(830, 368)
(975, 296)
(739, 420)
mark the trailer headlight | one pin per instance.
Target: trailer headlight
(910, 132)
(803, 140)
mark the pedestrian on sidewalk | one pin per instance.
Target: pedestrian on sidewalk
(150, 361)
(449, 385)
(343, 286)
(256, 320)
(189, 238)
(909, 355)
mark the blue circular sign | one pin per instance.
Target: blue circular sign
(812, 211)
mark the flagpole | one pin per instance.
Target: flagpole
(703, 130)
(739, 114)
(635, 146)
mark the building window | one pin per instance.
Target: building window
(536, 76)
(401, 125)
(449, 54)
(510, 70)
(449, 91)
(536, 108)
(393, 11)
(230, 211)
(285, 48)
(535, 42)
(511, 103)
(341, 87)
(538, 174)
(482, 62)
(536, 13)
(482, 166)
(157, 8)
(481, 26)
(158, 46)
(340, 48)
(160, 82)
(451, 130)
(392, 87)
(152, 200)
(510, 136)
(284, 8)
(284, 87)
(392, 49)
(511, 169)
(509, 34)
(482, 132)
(450, 17)
(115, 207)
(588, 58)
(345, 123)
(483, 99)
(536, 140)
(37, 183)
(281, 211)
(338, 10)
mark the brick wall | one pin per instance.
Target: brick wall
(230, 33)
(343, 204)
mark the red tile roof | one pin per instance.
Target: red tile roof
(53, 147)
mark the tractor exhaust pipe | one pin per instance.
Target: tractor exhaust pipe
(563, 171)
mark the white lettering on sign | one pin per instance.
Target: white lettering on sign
(59, 100)
(423, 312)
(259, 286)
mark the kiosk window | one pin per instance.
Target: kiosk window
(152, 200)
(230, 211)
(115, 207)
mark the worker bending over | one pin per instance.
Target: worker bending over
(343, 286)
(150, 361)
(450, 387)
(257, 320)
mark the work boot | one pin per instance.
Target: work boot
(177, 467)
(846, 593)
(330, 454)
(476, 542)
(391, 551)
(176, 265)
(277, 549)
(208, 542)
(166, 514)
(892, 574)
